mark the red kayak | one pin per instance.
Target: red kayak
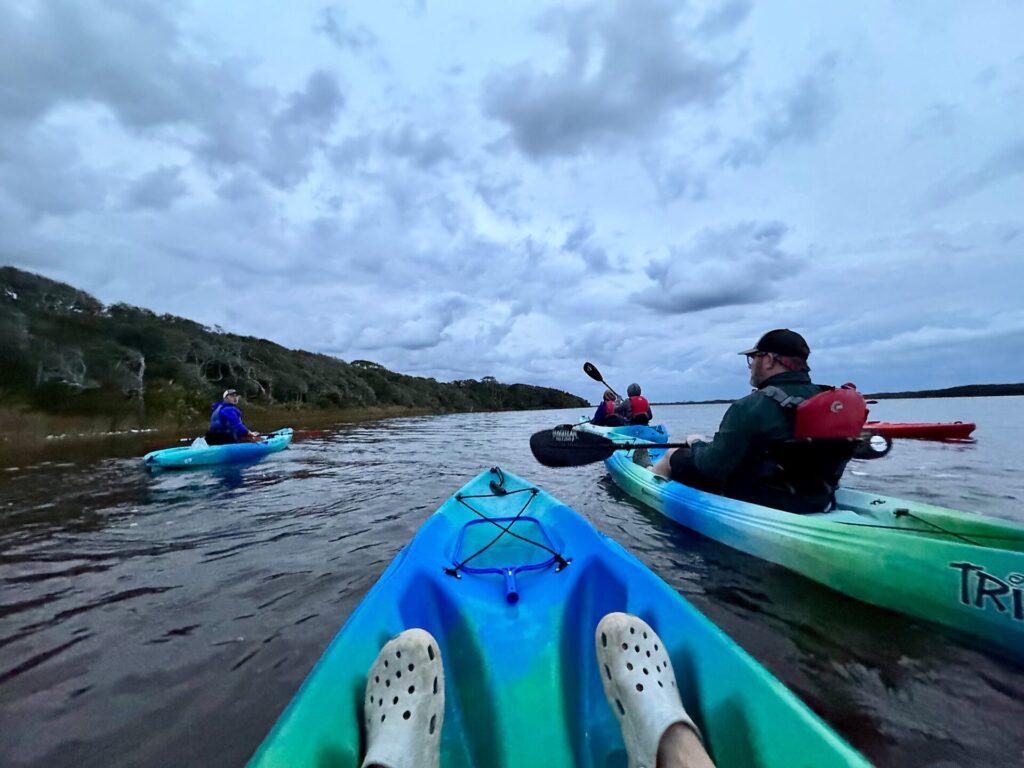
(957, 430)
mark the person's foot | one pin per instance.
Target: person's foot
(642, 457)
(640, 685)
(404, 703)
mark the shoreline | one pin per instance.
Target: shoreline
(38, 427)
(28, 436)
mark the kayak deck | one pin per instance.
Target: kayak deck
(521, 679)
(941, 565)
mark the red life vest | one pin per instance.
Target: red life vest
(638, 405)
(832, 413)
(609, 407)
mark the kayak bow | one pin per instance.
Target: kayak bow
(522, 686)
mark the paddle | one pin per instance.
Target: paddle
(564, 446)
(591, 370)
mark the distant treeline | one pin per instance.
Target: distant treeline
(64, 352)
(968, 390)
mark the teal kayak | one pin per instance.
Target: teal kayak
(654, 433)
(516, 634)
(205, 455)
(963, 571)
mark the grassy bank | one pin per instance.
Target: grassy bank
(28, 436)
(27, 427)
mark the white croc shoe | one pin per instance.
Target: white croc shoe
(640, 685)
(404, 703)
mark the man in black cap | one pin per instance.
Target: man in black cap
(733, 463)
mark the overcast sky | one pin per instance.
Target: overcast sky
(464, 189)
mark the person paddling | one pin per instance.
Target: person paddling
(605, 415)
(636, 409)
(226, 425)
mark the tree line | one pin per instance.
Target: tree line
(64, 352)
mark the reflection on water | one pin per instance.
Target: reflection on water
(144, 614)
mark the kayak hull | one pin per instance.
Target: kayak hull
(956, 430)
(235, 453)
(952, 568)
(654, 433)
(522, 687)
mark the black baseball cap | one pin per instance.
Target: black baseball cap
(228, 392)
(781, 341)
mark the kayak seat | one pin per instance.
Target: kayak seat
(808, 468)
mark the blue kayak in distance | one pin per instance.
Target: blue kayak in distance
(514, 615)
(207, 455)
(652, 433)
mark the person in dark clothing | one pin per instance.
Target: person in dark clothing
(636, 409)
(226, 424)
(734, 462)
(605, 415)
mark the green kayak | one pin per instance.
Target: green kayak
(515, 630)
(964, 571)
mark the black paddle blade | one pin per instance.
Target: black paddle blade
(591, 370)
(564, 446)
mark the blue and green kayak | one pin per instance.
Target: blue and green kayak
(654, 433)
(206, 455)
(514, 615)
(964, 571)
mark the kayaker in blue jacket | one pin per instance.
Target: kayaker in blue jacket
(733, 463)
(226, 424)
(605, 415)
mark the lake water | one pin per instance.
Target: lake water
(155, 619)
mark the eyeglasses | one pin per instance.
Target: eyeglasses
(753, 356)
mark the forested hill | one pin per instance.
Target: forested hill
(65, 352)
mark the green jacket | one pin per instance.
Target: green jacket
(732, 461)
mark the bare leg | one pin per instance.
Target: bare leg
(662, 466)
(680, 747)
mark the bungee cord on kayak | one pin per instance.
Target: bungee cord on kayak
(497, 490)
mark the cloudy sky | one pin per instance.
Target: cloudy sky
(464, 189)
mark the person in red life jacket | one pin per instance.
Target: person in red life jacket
(740, 461)
(605, 415)
(637, 410)
(226, 424)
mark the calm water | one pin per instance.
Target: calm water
(148, 620)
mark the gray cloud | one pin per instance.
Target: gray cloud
(46, 175)
(720, 268)
(799, 117)
(425, 150)
(137, 64)
(939, 120)
(626, 68)
(1004, 164)
(674, 179)
(335, 27)
(580, 241)
(499, 195)
(725, 17)
(155, 83)
(157, 189)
